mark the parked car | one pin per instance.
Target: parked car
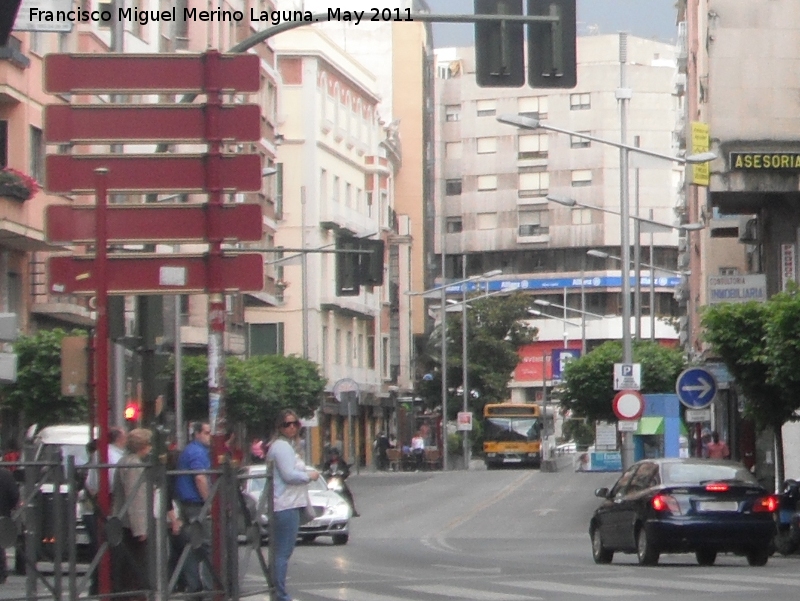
(332, 511)
(684, 505)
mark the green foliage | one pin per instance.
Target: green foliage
(256, 389)
(588, 386)
(782, 354)
(495, 332)
(36, 394)
(578, 430)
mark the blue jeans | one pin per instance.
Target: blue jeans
(287, 524)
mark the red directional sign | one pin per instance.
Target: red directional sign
(147, 122)
(151, 223)
(154, 274)
(628, 405)
(127, 73)
(151, 173)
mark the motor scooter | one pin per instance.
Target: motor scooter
(787, 519)
(336, 482)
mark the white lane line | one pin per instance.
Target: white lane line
(351, 594)
(680, 585)
(576, 589)
(457, 592)
(786, 581)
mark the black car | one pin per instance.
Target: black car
(703, 506)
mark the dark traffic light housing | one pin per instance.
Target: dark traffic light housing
(499, 47)
(552, 61)
(354, 269)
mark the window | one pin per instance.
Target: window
(535, 183)
(385, 369)
(487, 182)
(729, 271)
(532, 106)
(265, 339)
(533, 223)
(370, 352)
(37, 154)
(349, 350)
(452, 187)
(3, 144)
(581, 177)
(452, 150)
(323, 185)
(348, 194)
(486, 221)
(576, 142)
(487, 145)
(454, 225)
(452, 112)
(279, 191)
(337, 347)
(532, 146)
(581, 216)
(486, 108)
(324, 345)
(580, 102)
(360, 350)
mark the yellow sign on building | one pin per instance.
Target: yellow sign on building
(700, 143)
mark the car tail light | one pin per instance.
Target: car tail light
(665, 503)
(717, 487)
(766, 504)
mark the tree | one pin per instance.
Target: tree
(588, 386)
(256, 389)
(758, 344)
(495, 331)
(36, 395)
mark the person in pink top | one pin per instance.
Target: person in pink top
(717, 449)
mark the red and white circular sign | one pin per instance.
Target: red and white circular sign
(628, 404)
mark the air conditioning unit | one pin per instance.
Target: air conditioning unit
(748, 230)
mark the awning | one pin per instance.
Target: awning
(649, 426)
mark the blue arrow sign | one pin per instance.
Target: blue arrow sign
(696, 387)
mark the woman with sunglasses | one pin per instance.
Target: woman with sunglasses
(291, 494)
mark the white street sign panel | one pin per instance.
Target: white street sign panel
(627, 376)
(694, 416)
(25, 23)
(8, 367)
(464, 422)
(628, 425)
(737, 288)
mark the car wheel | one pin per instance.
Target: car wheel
(646, 551)
(784, 543)
(758, 556)
(599, 553)
(706, 557)
(340, 539)
(308, 538)
(20, 569)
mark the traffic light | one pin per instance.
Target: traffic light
(354, 270)
(499, 47)
(8, 14)
(132, 412)
(551, 46)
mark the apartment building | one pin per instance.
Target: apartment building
(743, 85)
(493, 180)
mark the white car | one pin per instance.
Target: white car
(332, 511)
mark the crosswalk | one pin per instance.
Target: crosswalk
(623, 585)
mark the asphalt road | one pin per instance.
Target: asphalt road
(508, 535)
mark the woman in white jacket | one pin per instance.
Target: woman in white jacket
(291, 494)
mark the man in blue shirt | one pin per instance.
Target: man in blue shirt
(192, 492)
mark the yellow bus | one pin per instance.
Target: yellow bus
(512, 434)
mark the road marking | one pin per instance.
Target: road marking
(351, 594)
(592, 591)
(458, 569)
(457, 592)
(681, 585)
(787, 581)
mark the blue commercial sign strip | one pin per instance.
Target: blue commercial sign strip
(562, 356)
(696, 387)
(512, 285)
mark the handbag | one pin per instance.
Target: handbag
(308, 513)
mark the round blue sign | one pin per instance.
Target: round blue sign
(696, 387)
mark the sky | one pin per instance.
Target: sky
(644, 18)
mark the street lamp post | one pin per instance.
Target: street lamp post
(583, 313)
(623, 94)
(442, 290)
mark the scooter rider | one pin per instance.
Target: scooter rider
(335, 466)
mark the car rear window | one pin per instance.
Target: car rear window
(695, 473)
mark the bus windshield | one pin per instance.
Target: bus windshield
(512, 429)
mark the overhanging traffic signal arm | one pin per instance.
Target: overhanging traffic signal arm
(499, 47)
(551, 46)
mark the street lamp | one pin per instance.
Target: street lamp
(604, 255)
(443, 292)
(523, 122)
(583, 313)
